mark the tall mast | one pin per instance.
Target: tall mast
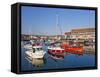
(57, 24)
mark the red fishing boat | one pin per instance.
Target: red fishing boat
(56, 52)
(74, 48)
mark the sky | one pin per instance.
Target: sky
(53, 21)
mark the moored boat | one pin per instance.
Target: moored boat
(56, 52)
(74, 48)
(28, 46)
(55, 49)
(36, 52)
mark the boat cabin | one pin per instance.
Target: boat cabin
(37, 49)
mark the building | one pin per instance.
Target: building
(81, 34)
(67, 35)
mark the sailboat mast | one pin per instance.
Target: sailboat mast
(57, 24)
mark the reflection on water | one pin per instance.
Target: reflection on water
(51, 61)
(36, 62)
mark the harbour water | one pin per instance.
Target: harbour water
(69, 61)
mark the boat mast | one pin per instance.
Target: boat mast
(30, 33)
(57, 24)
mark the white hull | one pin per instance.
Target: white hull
(35, 55)
(55, 48)
(28, 46)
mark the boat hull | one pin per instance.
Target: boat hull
(73, 50)
(56, 53)
(35, 55)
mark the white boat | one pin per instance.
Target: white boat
(36, 52)
(32, 41)
(28, 46)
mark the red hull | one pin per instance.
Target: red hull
(57, 53)
(74, 50)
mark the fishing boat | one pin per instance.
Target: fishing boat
(56, 52)
(55, 49)
(36, 52)
(75, 48)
